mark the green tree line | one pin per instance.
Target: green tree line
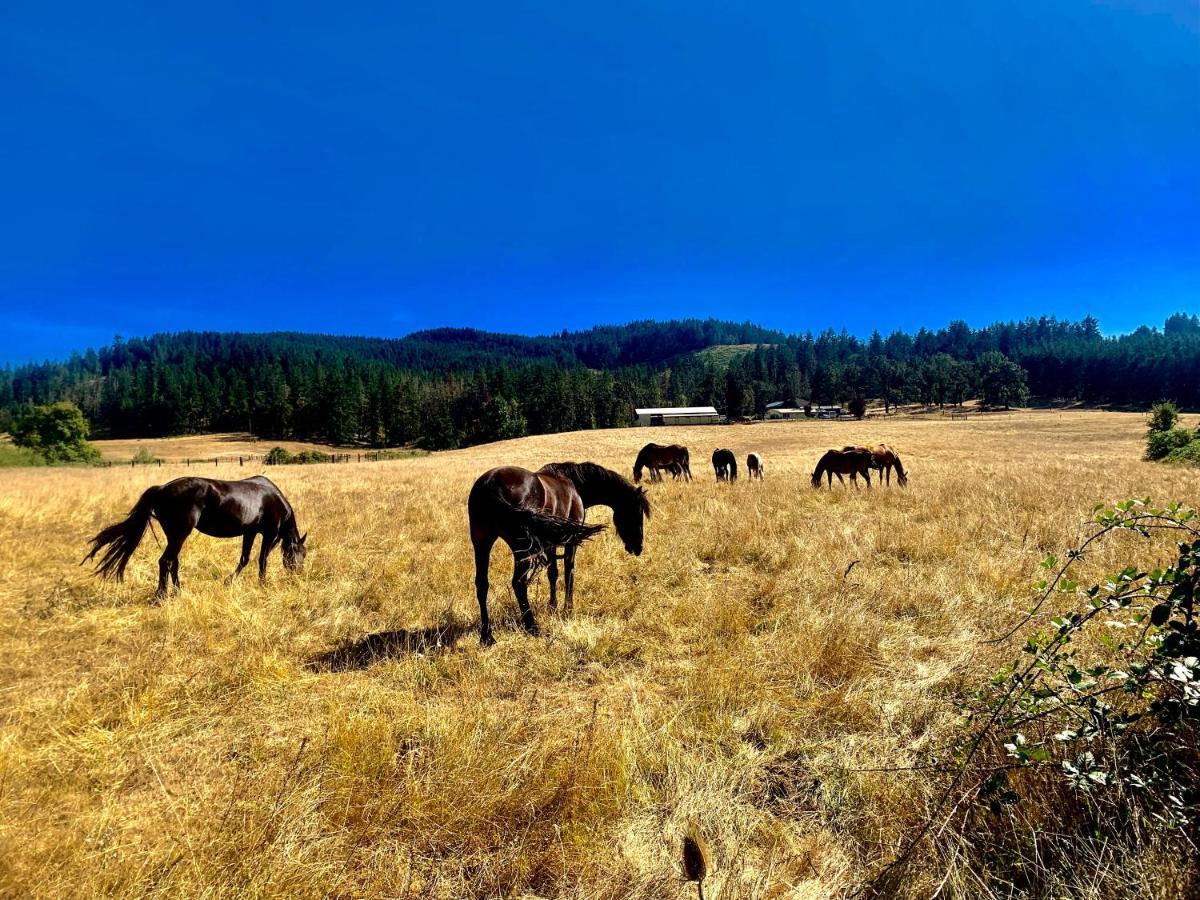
(456, 387)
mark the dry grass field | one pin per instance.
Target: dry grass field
(241, 740)
(201, 447)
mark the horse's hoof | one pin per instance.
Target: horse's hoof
(532, 630)
(486, 640)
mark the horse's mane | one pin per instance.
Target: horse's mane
(593, 479)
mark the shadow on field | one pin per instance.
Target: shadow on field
(390, 645)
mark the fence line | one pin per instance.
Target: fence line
(241, 461)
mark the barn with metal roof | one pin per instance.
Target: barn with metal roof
(679, 415)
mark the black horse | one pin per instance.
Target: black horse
(536, 512)
(225, 509)
(725, 465)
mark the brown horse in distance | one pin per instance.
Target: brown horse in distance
(854, 461)
(754, 465)
(662, 456)
(536, 512)
(884, 459)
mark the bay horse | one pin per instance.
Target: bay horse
(536, 512)
(224, 509)
(725, 465)
(884, 459)
(755, 466)
(662, 456)
(854, 461)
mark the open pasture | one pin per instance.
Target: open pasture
(340, 732)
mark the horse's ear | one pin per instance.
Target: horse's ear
(305, 538)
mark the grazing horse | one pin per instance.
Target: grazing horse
(217, 508)
(662, 456)
(884, 459)
(887, 459)
(853, 462)
(725, 465)
(535, 512)
(755, 466)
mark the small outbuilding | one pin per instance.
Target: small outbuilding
(679, 415)
(785, 412)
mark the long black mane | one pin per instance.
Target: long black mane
(598, 485)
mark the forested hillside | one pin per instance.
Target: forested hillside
(453, 387)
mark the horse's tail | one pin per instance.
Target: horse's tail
(122, 538)
(541, 532)
(732, 467)
(687, 465)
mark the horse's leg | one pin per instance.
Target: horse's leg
(483, 553)
(269, 539)
(247, 547)
(841, 480)
(552, 575)
(520, 585)
(569, 579)
(168, 563)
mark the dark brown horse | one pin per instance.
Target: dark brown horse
(662, 456)
(884, 459)
(536, 512)
(854, 461)
(224, 509)
(725, 465)
(755, 467)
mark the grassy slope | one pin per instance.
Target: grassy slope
(731, 674)
(202, 446)
(721, 355)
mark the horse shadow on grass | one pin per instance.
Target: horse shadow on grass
(383, 645)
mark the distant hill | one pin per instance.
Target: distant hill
(451, 387)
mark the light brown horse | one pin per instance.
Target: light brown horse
(884, 459)
(755, 465)
(662, 456)
(852, 461)
(887, 459)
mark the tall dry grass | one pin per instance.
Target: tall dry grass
(247, 740)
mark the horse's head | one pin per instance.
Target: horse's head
(637, 473)
(901, 477)
(293, 550)
(629, 516)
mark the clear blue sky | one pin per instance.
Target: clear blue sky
(379, 168)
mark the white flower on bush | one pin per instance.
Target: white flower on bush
(1187, 672)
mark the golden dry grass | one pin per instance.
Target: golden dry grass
(731, 676)
(201, 447)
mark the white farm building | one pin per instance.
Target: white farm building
(679, 415)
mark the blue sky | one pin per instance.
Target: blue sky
(379, 168)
